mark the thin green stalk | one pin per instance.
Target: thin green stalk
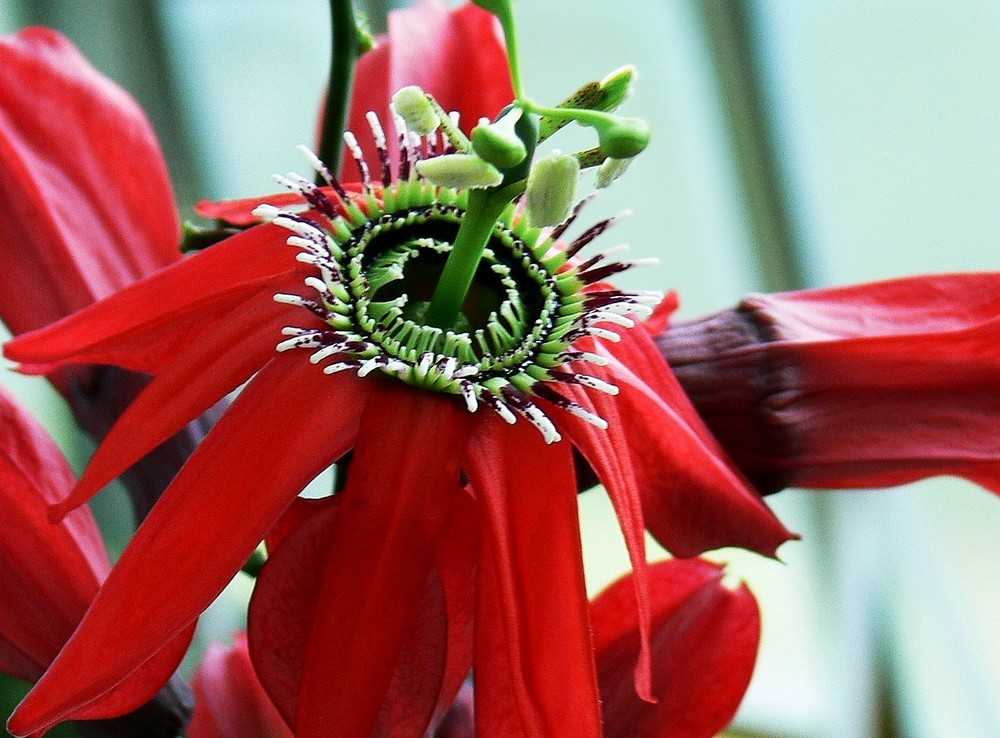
(460, 268)
(343, 56)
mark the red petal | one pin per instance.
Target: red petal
(141, 685)
(240, 212)
(704, 648)
(230, 702)
(438, 653)
(380, 553)
(87, 197)
(457, 56)
(284, 603)
(659, 321)
(212, 365)
(287, 425)
(534, 665)
(607, 451)
(147, 324)
(442, 635)
(693, 498)
(48, 573)
(297, 514)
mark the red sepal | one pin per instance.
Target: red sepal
(146, 325)
(215, 363)
(365, 587)
(48, 573)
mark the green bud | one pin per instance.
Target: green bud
(617, 87)
(623, 138)
(551, 189)
(413, 107)
(497, 142)
(461, 171)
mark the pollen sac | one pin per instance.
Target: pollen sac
(376, 259)
(609, 171)
(551, 189)
(412, 105)
(460, 171)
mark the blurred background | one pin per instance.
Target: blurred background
(795, 145)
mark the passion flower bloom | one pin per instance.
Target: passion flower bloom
(50, 573)
(422, 409)
(873, 385)
(458, 432)
(88, 210)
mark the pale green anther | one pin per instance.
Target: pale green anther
(416, 110)
(551, 188)
(498, 144)
(461, 171)
(609, 171)
(623, 138)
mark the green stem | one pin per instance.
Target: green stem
(343, 55)
(504, 11)
(584, 116)
(485, 206)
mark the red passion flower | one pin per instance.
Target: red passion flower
(454, 546)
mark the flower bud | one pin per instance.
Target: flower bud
(413, 107)
(616, 88)
(623, 138)
(551, 189)
(461, 171)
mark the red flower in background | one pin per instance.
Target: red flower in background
(420, 49)
(50, 573)
(89, 209)
(873, 385)
(230, 701)
(405, 552)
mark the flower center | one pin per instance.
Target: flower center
(379, 257)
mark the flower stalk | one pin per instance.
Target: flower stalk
(347, 42)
